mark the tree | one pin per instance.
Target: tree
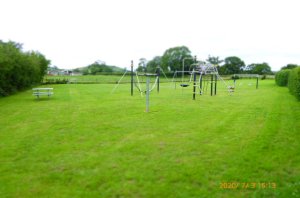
(232, 65)
(258, 68)
(99, 67)
(142, 65)
(173, 57)
(96, 68)
(153, 64)
(289, 66)
(214, 60)
(18, 69)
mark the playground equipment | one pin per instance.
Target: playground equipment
(210, 69)
(148, 75)
(136, 83)
(207, 73)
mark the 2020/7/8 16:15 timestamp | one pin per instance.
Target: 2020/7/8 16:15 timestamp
(248, 185)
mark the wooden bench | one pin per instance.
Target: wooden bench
(42, 92)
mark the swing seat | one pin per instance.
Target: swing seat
(184, 85)
(231, 88)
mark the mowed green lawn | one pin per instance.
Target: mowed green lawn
(87, 142)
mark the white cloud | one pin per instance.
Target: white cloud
(76, 33)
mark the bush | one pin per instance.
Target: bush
(19, 70)
(55, 81)
(294, 82)
(281, 77)
(235, 77)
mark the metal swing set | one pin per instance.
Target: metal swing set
(137, 83)
(202, 69)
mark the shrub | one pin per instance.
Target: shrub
(281, 77)
(235, 77)
(294, 82)
(48, 81)
(19, 70)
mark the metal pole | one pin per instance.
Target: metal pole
(257, 82)
(158, 75)
(201, 77)
(215, 84)
(175, 77)
(194, 85)
(131, 78)
(211, 84)
(182, 76)
(147, 94)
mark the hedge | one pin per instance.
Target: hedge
(294, 82)
(281, 77)
(19, 70)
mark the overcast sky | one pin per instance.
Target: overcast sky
(76, 33)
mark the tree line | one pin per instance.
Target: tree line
(18, 69)
(98, 67)
(172, 60)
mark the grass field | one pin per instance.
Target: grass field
(102, 79)
(87, 142)
(113, 79)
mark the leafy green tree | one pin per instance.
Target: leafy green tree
(173, 57)
(232, 65)
(289, 66)
(258, 68)
(215, 60)
(18, 69)
(153, 64)
(142, 65)
(99, 67)
(96, 68)
(142, 62)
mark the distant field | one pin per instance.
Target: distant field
(112, 79)
(88, 142)
(103, 79)
(90, 78)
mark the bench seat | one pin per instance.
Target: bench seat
(42, 92)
